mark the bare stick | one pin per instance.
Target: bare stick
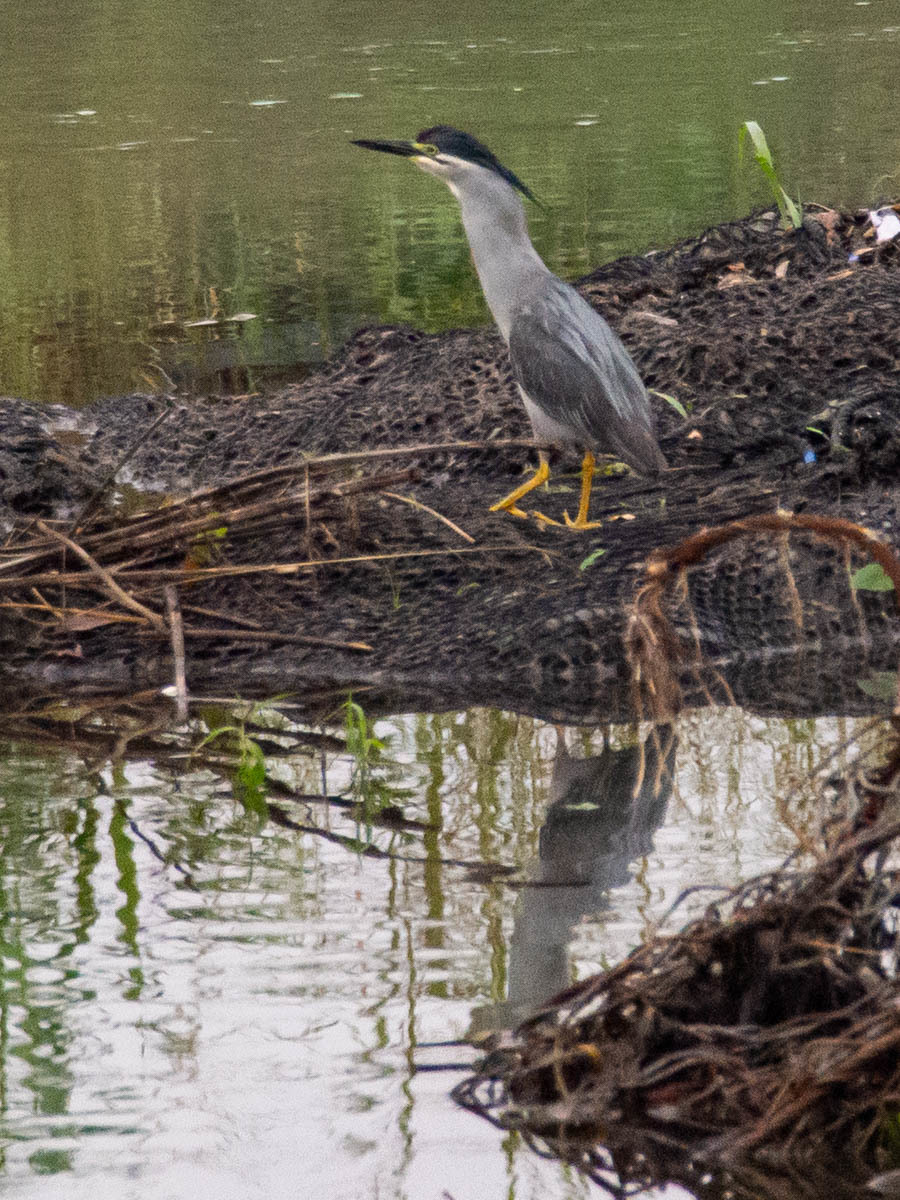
(219, 614)
(425, 508)
(325, 462)
(272, 635)
(307, 513)
(176, 629)
(109, 584)
(154, 575)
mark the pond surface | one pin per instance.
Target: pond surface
(200, 1001)
(169, 162)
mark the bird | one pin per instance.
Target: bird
(578, 383)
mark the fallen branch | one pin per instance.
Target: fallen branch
(105, 579)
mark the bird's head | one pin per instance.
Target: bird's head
(450, 155)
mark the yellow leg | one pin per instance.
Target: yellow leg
(587, 475)
(510, 503)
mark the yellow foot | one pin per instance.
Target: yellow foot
(580, 523)
(515, 511)
(510, 503)
(512, 509)
(539, 516)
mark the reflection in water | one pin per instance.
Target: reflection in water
(603, 812)
(192, 996)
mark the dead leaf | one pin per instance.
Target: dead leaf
(645, 315)
(829, 217)
(739, 280)
(830, 220)
(782, 269)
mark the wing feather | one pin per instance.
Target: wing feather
(574, 368)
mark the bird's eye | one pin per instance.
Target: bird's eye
(427, 148)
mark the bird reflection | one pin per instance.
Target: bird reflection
(603, 813)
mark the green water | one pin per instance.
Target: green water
(165, 163)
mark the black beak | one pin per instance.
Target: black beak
(404, 149)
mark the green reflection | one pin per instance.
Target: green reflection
(35, 941)
(50, 1162)
(85, 844)
(127, 913)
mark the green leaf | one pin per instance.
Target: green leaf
(250, 778)
(223, 731)
(790, 212)
(676, 404)
(591, 558)
(753, 130)
(871, 578)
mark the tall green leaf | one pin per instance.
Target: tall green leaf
(790, 212)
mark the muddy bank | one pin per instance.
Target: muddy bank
(388, 571)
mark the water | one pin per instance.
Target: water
(198, 1001)
(166, 163)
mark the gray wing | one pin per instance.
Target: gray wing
(571, 365)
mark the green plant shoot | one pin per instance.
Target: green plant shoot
(372, 769)
(790, 211)
(591, 558)
(673, 401)
(249, 774)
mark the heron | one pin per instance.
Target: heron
(578, 383)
